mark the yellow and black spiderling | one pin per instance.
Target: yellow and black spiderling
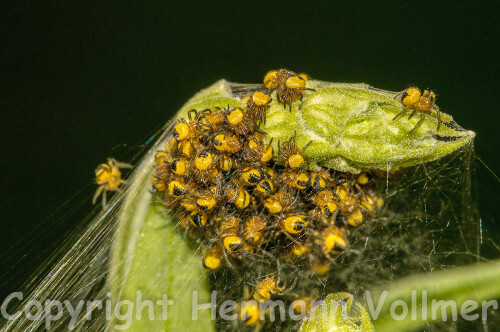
(300, 251)
(240, 121)
(227, 143)
(187, 130)
(109, 178)
(355, 218)
(229, 232)
(186, 148)
(297, 180)
(205, 166)
(251, 176)
(268, 286)
(258, 213)
(294, 223)
(177, 188)
(320, 180)
(238, 195)
(179, 166)
(291, 91)
(333, 240)
(282, 201)
(254, 230)
(181, 131)
(198, 218)
(162, 159)
(206, 203)
(250, 313)
(265, 187)
(212, 120)
(226, 163)
(293, 157)
(213, 258)
(416, 101)
(257, 105)
(255, 151)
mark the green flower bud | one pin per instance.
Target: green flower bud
(339, 312)
(351, 126)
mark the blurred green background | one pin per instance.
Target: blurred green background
(79, 80)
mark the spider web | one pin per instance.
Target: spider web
(429, 222)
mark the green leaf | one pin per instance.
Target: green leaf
(478, 282)
(151, 256)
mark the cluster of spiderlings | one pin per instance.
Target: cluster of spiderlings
(218, 174)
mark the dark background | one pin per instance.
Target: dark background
(78, 81)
